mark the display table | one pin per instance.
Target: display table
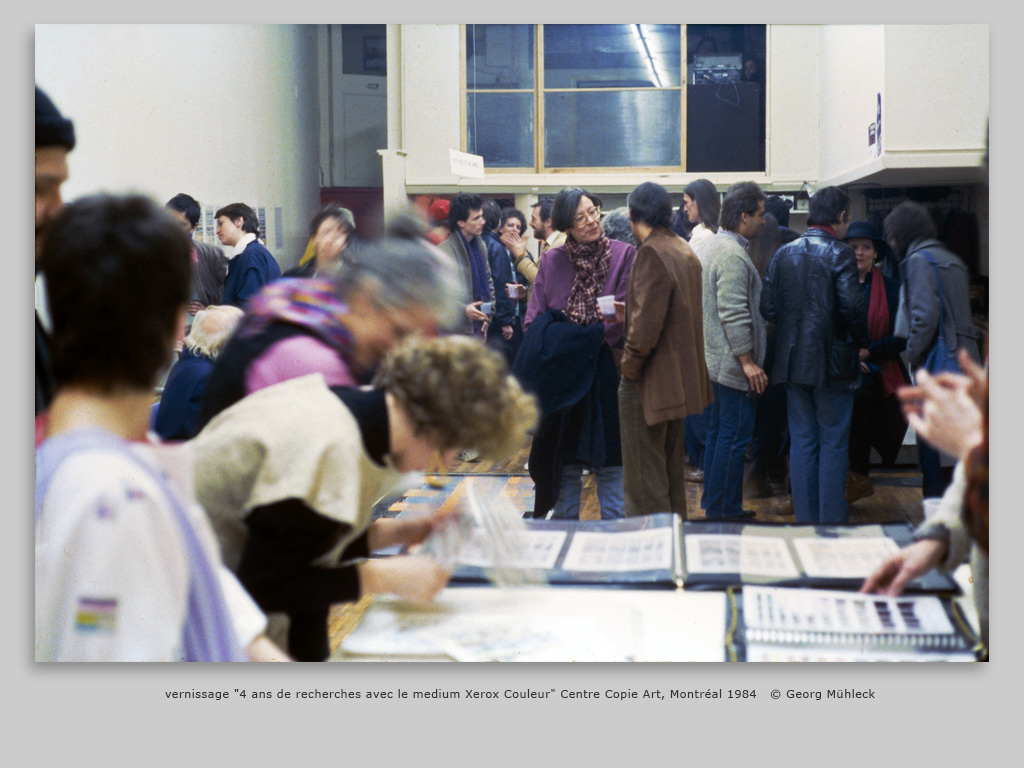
(543, 624)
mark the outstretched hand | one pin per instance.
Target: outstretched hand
(892, 576)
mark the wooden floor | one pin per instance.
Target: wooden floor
(896, 497)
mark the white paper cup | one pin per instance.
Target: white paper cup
(487, 307)
(931, 508)
(606, 304)
(512, 290)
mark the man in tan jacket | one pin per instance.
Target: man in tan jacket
(664, 374)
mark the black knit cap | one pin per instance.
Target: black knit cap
(52, 128)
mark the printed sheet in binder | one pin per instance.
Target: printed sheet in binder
(793, 624)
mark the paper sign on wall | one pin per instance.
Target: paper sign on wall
(465, 164)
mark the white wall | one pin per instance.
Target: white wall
(852, 74)
(939, 78)
(431, 97)
(793, 95)
(225, 113)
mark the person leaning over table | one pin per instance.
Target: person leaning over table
(951, 412)
(340, 326)
(289, 476)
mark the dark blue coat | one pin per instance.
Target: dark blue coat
(249, 271)
(571, 371)
(178, 413)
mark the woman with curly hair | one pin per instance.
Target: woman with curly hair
(289, 476)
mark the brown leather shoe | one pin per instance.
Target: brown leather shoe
(857, 487)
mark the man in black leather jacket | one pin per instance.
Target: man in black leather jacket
(812, 295)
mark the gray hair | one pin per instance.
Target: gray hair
(212, 327)
(616, 225)
(402, 271)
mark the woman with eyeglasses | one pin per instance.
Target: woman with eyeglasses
(570, 357)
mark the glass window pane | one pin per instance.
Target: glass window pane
(499, 126)
(499, 56)
(611, 55)
(611, 128)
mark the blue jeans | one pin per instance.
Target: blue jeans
(730, 426)
(695, 433)
(819, 434)
(609, 492)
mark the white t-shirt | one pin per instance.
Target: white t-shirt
(698, 235)
(111, 569)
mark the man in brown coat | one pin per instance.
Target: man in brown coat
(664, 374)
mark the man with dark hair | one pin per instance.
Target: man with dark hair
(55, 137)
(936, 288)
(467, 247)
(251, 266)
(540, 221)
(500, 263)
(734, 348)
(664, 375)
(209, 264)
(779, 208)
(812, 294)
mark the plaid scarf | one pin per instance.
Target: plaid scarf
(591, 262)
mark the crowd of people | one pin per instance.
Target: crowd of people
(644, 347)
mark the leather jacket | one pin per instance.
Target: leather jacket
(812, 294)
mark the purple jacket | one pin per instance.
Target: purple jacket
(554, 281)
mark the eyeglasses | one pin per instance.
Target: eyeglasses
(593, 214)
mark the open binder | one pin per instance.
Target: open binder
(662, 551)
(637, 552)
(793, 624)
(718, 555)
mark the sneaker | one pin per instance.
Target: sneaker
(693, 474)
(470, 455)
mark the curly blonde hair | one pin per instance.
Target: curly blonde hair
(458, 389)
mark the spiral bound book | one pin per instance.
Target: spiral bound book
(793, 624)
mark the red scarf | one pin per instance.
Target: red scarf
(591, 261)
(878, 327)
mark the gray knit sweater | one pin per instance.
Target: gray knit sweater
(732, 319)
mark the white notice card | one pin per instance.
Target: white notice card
(847, 558)
(645, 550)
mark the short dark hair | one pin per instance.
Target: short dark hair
(343, 216)
(117, 272)
(827, 206)
(709, 204)
(545, 205)
(778, 208)
(651, 204)
(460, 207)
(492, 215)
(514, 213)
(907, 223)
(563, 209)
(742, 197)
(250, 222)
(187, 205)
